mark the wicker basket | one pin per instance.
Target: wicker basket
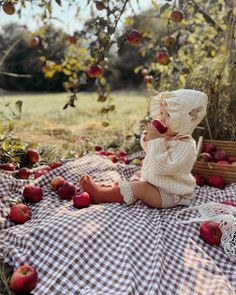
(227, 172)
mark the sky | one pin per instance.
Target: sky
(68, 22)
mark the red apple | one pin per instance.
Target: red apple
(72, 39)
(208, 148)
(216, 181)
(95, 71)
(19, 213)
(33, 193)
(100, 5)
(8, 167)
(24, 279)
(169, 40)
(148, 79)
(163, 58)
(56, 183)
(35, 41)
(9, 8)
(55, 164)
(220, 155)
(210, 233)
(121, 154)
(177, 16)
(113, 158)
(67, 191)
(124, 160)
(205, 157)
(33, 155)
(39, 173)
(232, 159)
(82, 200)
(103, 153)
(23, 173)
(98, 147)
(230, 203)
(159, 126)
(134, 37)
(223, 162)
(200, 180)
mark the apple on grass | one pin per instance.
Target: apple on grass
(67, 191)
(82, 200)
(33, 155)
(56, 183)
(19, 213)
(24, 279)
(210, 233)
(33, 193)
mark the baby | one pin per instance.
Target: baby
(165, 179)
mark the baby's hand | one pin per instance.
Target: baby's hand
(152, 133)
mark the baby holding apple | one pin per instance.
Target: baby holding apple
(165, 178)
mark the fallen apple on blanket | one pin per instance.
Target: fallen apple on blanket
(82, 200)
(33, 155)
(24, 279)
(230, 203)
(210, 233)
(216, 181)
(23, 173)
(158, 125)
(19, 213)
(33, 193)
(67, 191)
(57, 182)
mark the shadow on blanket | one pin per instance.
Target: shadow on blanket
(112, 248)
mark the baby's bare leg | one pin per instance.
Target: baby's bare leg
(147, 193)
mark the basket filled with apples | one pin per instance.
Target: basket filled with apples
(216, 162)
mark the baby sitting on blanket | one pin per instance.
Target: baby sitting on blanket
(165, 179)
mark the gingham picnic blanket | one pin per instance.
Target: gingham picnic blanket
(112, 249)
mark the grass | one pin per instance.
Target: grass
(76, 130)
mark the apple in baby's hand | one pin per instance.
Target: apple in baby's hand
(82, 200)
(24, 173)
(33, 193)
(210, 233)
(230, 203)
(33, 155)
(67, 191)
(56, 183)
(24, 279)
(19, 213)
(159, 126)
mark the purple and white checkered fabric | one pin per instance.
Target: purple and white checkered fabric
(112, 249)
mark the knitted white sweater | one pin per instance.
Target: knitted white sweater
(168, 164)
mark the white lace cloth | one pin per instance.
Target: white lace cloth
(127, 193)
(224, 216)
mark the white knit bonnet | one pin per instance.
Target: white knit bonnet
(186, 107)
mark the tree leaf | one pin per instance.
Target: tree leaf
(18, 106)
(164, 7)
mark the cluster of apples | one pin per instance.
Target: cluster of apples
(119, 156)
(213, 155)
(33, 157)
(210, 232)
(67, 191)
